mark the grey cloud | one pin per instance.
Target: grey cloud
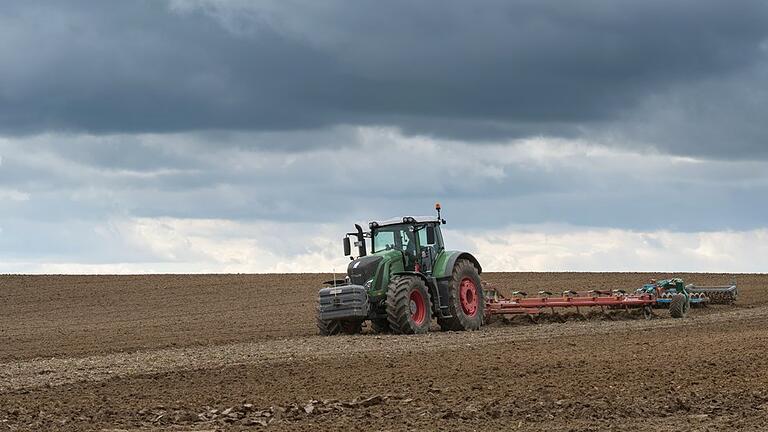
(500, 185)
(73, 199)
(713, 118)
(467, 70)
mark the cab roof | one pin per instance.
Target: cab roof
(410, 220)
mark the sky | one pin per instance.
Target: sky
(198, 136)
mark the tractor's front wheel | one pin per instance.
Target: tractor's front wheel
(408, 305)
(334, 327)
(380, 325)
(351, 327)
(466, 302)
(328, 327)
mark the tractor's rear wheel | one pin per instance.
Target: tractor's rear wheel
(466, 302)
(408, 305)
(328, 327)
(679, 306)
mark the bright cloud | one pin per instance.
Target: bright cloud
(224, 202)
(222, 246)
(568, 248)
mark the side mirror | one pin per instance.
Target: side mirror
(347, 247)
(360, 243)
(430, 234)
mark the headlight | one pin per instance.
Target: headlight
(368, 284)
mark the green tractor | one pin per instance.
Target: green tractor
(407, 280)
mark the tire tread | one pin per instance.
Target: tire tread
(678, 307)
(398, 305)
(459, 321)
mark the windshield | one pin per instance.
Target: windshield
(394, 237)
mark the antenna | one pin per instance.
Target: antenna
(438, 207)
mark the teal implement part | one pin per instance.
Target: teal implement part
(717, 294)
(666, 289)
(673, 294)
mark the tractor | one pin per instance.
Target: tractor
(407, 280)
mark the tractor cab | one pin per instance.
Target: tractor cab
(419, 240)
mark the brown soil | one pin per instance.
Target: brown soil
(175, 352)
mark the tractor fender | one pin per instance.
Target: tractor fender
(429, 282)
(446, 260)
(443, 271)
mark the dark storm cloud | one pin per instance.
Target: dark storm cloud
(135, 66)
(712, 118)
(469, 70)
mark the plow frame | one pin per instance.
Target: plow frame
(523, 305)
(654, 294)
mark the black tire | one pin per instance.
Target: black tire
(647, 312)
(679, 306)
(380, 325)
(351, 327)
(461, 319)
(328, 327)
(401, 316)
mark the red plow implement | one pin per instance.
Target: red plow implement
(547, 302)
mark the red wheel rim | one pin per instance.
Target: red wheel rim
(468, 296)
(418, 307)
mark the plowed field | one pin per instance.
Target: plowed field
(239, 352)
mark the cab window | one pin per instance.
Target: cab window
(423, 237)
(397, 237)
(383, 240)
